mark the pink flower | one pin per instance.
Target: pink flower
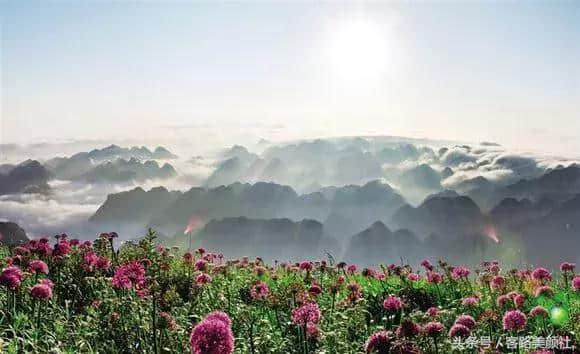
(459, 330)
(460, 272)
(434, 278)
(541, 274)
(514, 320)
(538, 311)
(211, 336)
(576, 283)
(378, 343)
(259, 291)
(433, 311)
(306, 265)
(315, 289)
(413, 276)
(502, 300)
(38, 266)
(42, 290)
(519, 300)
(544, 290)
(62, 248)
(220, 316)
(203, 279)
(306, 313)
(470, 301)
(312, 330)
(433, 329)
(11, 277)
(407, 329)
(129, 275)
(497, 282)
(567, 267)
(392, 303)
(201, 265)
(466, 320)
(351, 269)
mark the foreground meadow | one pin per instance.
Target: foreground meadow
(88, 297)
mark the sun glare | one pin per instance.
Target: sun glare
(358, 51)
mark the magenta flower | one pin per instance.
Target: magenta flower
(413, 277)
(470, 301)
(61, 249)
(407, 329)
(538, 311)
(220, 316)
(466, 320)
(544, 290)
(497, 282)
(315, 289)
(351, 269)
(427, 264)
(392, 303)
(203, 279)
(38, 266)
(514, 320)
(11, 277)
(433, 311)
(434, 278)
(305, 314)
(433, 329)
(259, 291)
(502, 300)
(459, 330)
(306, 265)
(42, 290)
(312, 330)
(541, 274)
(201, 265)
(460, 272)
(519, 300)
(378, 343)
(211, 336)
(567, 267)
(576, 283)
(129, 275)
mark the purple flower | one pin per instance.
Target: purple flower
(541, 274)
(576, 283)
(203, 279)
(408, 329)
(307, 313)
(259, 291)
(538, 311)
(306, 265)
(378, 343)
(567, 267)
(514, 320)
(460, 272)
(392, 303)
(459, 330)
(201, 265)
(211, 336)
(433, 329)
(11, 277)
(466, 320)
(38, 266)
(220, 316)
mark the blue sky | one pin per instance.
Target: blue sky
(463, 70)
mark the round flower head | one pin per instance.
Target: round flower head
(427, 264)
(432, 311)
(538, 311)
(62, 248)
(259, 291)
(42, 290)
(11, 277)
(466, 320)
(38, 266)
(408, 329)
(203, 279)
(315, 289)
(378, 343)
(502, 300)
(576, 283)
(129, 275)
(433, 329)
(459, 330)
(567, 267)
(460, 272)
(544, 290)
(541, 274)
(392, 303)
(514, 320)
(351, 269)
(497, 282)
(470, 301)
(211, 336)
(312, 330)
(519, 300)
(201, 265)
(305, 314)
(434, 278)
(413, 277)
(306, 265)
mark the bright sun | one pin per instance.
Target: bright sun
(358, 51)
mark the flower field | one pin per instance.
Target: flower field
(69, 296)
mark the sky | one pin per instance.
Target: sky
(502, 71)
